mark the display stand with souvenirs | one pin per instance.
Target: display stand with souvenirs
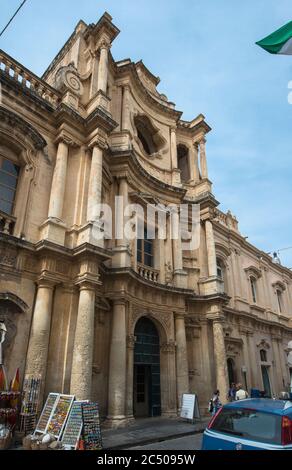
(9, 403)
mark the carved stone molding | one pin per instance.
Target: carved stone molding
(67, 78)
(16, 122)
(168, 348)
(131, 339)
(263, 344)
(164, 318)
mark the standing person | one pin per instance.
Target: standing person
(216, 402)
(241, 394)
(232, 392)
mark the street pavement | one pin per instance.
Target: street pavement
(192, 442)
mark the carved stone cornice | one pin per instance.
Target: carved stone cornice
(17, 122)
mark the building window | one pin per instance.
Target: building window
(145, 251)
(9, 173)
(263, 355)
(253, 287)
(145, 133)
(280, 300)
(183, 162)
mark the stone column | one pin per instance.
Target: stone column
(211, 252)
(59, 182)
(122, 253)
(180, 276)
(203, 159)
(103, 67)
(126, 125)
(37, 354)
(81, 373)
(173, 148)
(182, 369)
(117, 366)
(95, 184)
(194, 162)
(220, 357)
(130, 377)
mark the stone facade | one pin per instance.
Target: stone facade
(91, 129)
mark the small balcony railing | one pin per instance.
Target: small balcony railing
(148, 273)
(7, 223)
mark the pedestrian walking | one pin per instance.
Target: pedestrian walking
(215, 403)
(232, 392)
(241, 394)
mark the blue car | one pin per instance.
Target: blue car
(251, 424)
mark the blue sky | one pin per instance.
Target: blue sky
(204, 53)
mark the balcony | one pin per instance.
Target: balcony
(27, 79)
(148, 273)
(7, 223)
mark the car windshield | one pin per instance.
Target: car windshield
(249, 424)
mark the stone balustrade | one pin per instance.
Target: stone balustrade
(7, 223)
(148, 273)
(18, 73)
(227, 219)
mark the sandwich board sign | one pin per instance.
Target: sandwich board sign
(190, 407)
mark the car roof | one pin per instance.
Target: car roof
(267, 405)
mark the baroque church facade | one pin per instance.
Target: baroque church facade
(132, 324)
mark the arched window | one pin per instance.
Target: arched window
(146, 134)
(183, 162)
(221, 273)
(253, 288)
(263, 355)
(9, 174)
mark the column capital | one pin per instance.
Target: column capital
(104, 44)
(87, 282)
(99, 141)
(179, 316)
(47, 280)
(131, 339)
(216, 317)
(202, 140)
(173, 129)
(196, 145)
(67, 139)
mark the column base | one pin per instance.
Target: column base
(91, 232)
(180, 278)
(121, 257)
(176, 178)
(53, 230)
(116, 422)
(100, 100)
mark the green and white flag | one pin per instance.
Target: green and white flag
(279, 42)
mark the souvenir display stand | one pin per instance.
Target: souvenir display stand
(8, 417)
(30, 404)
(66, 424)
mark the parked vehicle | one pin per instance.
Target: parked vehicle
(251, 424)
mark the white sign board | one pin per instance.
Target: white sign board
(189, 407)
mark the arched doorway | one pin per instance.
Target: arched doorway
(231, 372)
(147, 396)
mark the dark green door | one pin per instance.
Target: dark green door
(147, 400)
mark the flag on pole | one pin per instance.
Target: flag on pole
(279, 42)
(3, 379)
